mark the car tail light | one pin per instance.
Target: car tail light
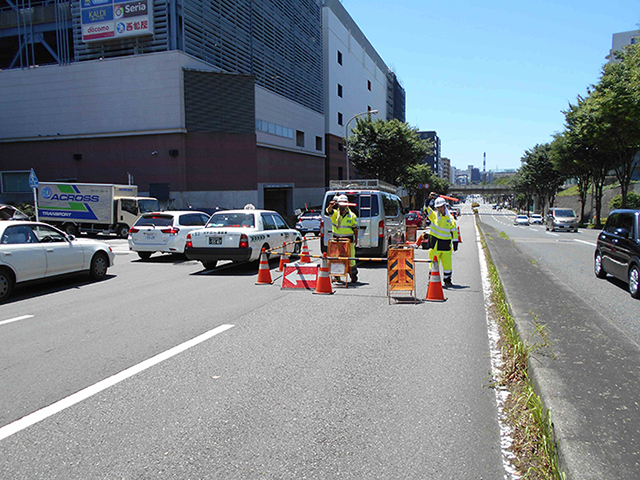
(244, 241)
(381, 229)
(171, 230)
(133, 230)
(189, 243)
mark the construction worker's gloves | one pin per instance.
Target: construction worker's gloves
(455, 246)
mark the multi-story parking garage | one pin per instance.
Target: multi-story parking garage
(216, 103)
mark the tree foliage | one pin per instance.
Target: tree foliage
(385, 149)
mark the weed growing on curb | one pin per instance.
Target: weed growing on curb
(534, 447)
(504, 235)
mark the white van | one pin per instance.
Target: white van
(380, 215)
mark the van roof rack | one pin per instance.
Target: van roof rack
(362, 184)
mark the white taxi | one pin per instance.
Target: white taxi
(240, 236)
(35, 251)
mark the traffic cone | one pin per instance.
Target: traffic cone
(323, 285)
(459, 237)
(419, 241)
(434, 290)
(264, 273)
(305, 258)
(283, 258)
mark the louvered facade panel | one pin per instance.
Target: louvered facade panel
(219, 102)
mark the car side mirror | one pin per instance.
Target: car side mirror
(621, 232)
(71, 238)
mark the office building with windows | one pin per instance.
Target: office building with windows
(216, 103)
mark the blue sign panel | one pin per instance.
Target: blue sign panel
(94, 3)
(97, 15)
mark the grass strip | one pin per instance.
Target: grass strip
(534, 447)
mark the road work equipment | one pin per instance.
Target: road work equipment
(264, 273)
(323, 285)
(434, 290)
(305, 258)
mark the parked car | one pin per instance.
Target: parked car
(34, 251)
(164, 232)
(561, 219)
(7, 212)
(456, 212)
(535, 219)
(521, 220)
(240, 236)
(309, 222)
(618, 249)
(415, 218)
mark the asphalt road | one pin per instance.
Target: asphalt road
(569, 258)
(274, 384)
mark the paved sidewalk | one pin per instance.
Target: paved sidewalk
(589, 377)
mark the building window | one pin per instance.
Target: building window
(339, 118)
(369, 85)
(299, 138)
(340, 90)
(339, 57)
(319, 143)
(340, 147)
(15, 182)
(340, 175)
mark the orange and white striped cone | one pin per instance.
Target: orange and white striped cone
(323, 285)
(305, 258)
(419, 240)
(264, 273)
(459, 237)
(435, 293)
(283, 259)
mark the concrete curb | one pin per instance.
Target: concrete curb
(588, 377)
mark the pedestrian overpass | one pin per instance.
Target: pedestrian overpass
(479, 189)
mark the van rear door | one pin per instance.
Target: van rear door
(364, 220)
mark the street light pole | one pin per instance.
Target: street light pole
(346, 133)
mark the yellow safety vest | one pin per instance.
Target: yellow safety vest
(343, 225)
(442, 226)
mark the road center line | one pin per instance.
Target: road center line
(85, 393)
(588, 243)
(17, 319)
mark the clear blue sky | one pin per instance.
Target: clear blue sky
(492, 76)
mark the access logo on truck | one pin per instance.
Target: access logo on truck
(70, 202)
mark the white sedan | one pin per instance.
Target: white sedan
(34, 251)
(164, 231)
(240, 236)
(521, 220)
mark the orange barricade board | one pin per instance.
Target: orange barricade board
(411, 233)
(400, 271)
(338, 248)
(300, 275)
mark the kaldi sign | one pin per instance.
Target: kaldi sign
(113, 19)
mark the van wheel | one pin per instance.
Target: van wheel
(634, 282)
(144, 255)
(99, 266)
(209, 264)
(6, 284)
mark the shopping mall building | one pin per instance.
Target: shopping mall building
(199, 103)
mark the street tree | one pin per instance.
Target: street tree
(385, 149)
(539, 175)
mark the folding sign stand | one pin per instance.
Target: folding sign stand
(401, 271)
(339, 247)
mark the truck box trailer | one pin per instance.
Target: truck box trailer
(92, 208)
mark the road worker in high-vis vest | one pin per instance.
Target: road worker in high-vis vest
(443, 235)
(344, 224)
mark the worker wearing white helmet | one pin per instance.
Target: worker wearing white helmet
(344, 224)
(443, 235)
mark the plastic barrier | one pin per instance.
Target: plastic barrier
(338, 256)
(401, 271)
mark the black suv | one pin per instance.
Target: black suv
(618, 250)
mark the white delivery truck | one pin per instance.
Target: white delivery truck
(380, 214)
(92, 208)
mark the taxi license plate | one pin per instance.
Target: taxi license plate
(215, 240)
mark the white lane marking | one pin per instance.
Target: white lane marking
(582, 241)
(85, 393)
(17, 319)
(554, 234)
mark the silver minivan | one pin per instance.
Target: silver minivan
(562, 219)
(380, 220)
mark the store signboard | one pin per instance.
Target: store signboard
(113, 19)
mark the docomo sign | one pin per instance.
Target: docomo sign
(114, 19)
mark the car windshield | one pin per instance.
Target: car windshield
(565, 213)
(154, 220)
(310, 216)
(522, 217)
(240, 220)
